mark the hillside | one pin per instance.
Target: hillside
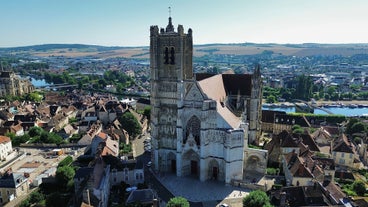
(78, 50)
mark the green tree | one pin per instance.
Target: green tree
(297, 129)
(64, 175)
(350, 124)
(35, 131)
(66, 161)
(55, 200)
(36, 197)
(147, 112)
(25, 203)
(303, 88)
(130, 124)
(271, 99)
(358, 127)
(359, 187)
(17, 140)
(177, 202)
(256, 198)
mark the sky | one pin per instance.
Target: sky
(127, 22)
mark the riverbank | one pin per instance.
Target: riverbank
(346, 108)
(342, 103)
(362, 103)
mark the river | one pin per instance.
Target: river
(335, 110)
(39, 82)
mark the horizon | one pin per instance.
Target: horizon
(126, 24)
(206, 44)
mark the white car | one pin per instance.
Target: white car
(149, 164)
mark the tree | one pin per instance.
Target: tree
(303, 88)
(55, 199)
(64, 175)
(359, 187)
(178, 202)
(36, 197)
(130, 124)
(35, 131)
(147, 112)
(271, 99)
(256, 198)
(358, 127)
(34, 97)
(297, 129)
(66, 161)
(349, 127)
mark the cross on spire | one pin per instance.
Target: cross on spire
(170, 27)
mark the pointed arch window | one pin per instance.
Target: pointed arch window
(172, 56)
(166, 55)
(193, 127)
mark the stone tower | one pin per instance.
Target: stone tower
(170, 64)
(255, 111)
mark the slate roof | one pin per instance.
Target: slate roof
(295, 196)
(143, 196)
(237, 84)
(201, 76)
(11, 180)
(83, 172)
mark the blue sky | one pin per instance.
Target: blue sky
(127, 22)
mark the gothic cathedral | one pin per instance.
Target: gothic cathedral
(200, 123)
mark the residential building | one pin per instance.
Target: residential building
(5, 147)
(343, 152)
(12, 185)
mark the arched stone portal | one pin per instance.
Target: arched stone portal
(252, 164)
(213, 170)
(255, 162)
(171, 162)
(190, 163)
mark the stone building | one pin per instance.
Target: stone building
(11, 84)
(200, 124)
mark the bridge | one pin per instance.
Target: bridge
(310, 107)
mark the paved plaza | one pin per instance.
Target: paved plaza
(210, 193)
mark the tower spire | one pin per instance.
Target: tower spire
(170, 27)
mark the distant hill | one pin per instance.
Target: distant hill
(45, 47)
(79, 50)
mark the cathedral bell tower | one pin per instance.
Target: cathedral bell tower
(171, 65)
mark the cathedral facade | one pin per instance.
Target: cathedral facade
(200, 123)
